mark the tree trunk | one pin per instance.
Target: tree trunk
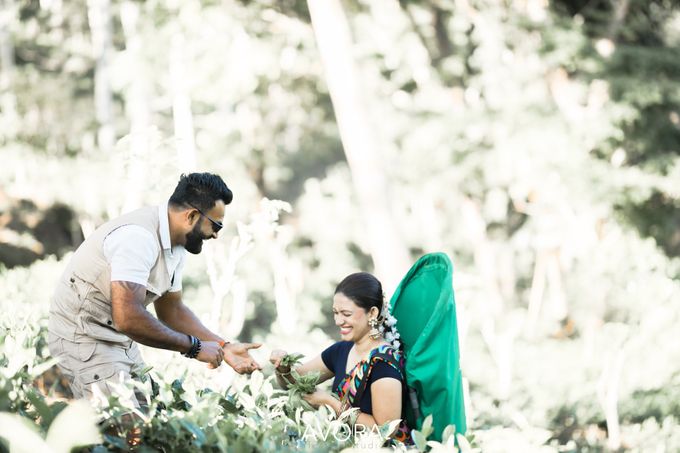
(181, 109)
(388, 251)
(8, 101)
(499, 329)
(621, 8)
(99, 17)
(137, 109)
(221, 267)
(608, 395)
(285, 271)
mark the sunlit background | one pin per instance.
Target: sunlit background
(535, 142)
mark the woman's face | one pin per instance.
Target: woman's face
(350, 318)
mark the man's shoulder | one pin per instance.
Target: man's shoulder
(145, 218)
(132, 231)
(131, 237)
(143, 215)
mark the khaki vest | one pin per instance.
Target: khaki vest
(80, 310)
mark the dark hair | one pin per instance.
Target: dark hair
(364, 289)
(201, 190)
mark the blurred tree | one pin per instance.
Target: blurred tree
(360, 144)
(524, 138)
(8, 12)
(636, 42)
(99, 16)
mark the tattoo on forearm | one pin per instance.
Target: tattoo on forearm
(128, 290)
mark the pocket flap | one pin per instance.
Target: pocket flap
(86, 350)
(97, 373)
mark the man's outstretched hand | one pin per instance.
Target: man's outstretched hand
(236, 355)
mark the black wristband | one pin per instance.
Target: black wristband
(192, 341)
(195, 348)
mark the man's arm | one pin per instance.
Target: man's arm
(132, 318)
(172, 311)
(174, 314)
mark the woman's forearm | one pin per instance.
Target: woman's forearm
(334, 404)
(366, 420)
(284, 379)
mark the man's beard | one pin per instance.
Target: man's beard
(194, 240)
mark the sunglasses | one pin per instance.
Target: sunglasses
(216, 226)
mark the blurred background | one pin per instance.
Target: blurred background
(536, 142)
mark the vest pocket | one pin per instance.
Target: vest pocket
(85, 351)
(97, 373)
(79, 286)
(98, 320)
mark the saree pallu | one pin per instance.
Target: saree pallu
(352, 387)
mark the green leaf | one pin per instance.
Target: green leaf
(419, 439)
(463, 444)
(61, 435)
(193, 429)
(449, 431)
(427, 429)
(116, 441)
(229, 405)
(256, 380)
(142, 375)
(304, 383)
(38, 401)
(37, 370)
(176, 387)
(291, 360)
(388, 428)
(20, 434)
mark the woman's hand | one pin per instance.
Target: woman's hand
(276, 357)
(319, 397)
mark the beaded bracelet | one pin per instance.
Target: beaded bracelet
(354, 417)
(195, 347)
(280, 373)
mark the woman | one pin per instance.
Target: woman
(367, 369)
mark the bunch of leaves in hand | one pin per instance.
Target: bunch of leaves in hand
(290, 360)
(301, 385)
(304, 384)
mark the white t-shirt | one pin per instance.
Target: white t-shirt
(131, 251)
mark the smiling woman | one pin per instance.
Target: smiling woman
(367, 371)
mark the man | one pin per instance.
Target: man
(98, 312)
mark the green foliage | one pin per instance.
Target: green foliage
(290, 361)
(657, 403)
(512, 133)
(304, 383)
(252, 417)
(298, 385)
(60, 437)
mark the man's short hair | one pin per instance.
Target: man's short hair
(201, 190)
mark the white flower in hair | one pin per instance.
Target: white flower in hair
(389, 336)
(391, 320)
(396, 344)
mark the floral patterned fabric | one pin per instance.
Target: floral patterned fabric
(352, 387)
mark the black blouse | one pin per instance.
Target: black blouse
(335, 359)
